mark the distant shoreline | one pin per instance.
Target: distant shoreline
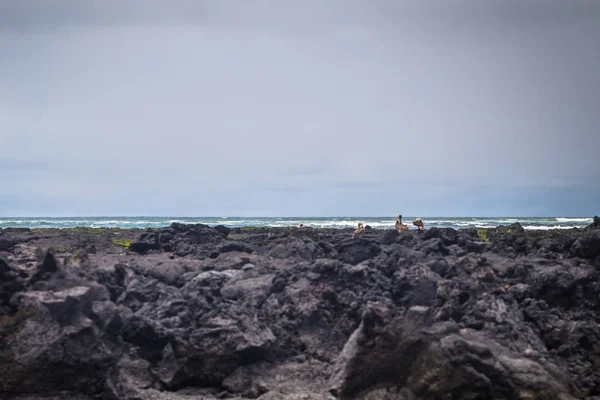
(386, 222)
(98, 230)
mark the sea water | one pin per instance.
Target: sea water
(317, 222)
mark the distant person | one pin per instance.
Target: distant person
(400, 227)
(359, 231)
(419, 224)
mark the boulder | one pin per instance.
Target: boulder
(587, 245)
(356, 251)
(59, 341)
(146, 242)
(10, 283)
(432, 360)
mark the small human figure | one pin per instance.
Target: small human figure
(419, 224)
(400, 227)
(359, 231)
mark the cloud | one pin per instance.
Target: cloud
(342, 107)
(8, 165)
(46, 14)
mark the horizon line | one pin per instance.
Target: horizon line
(293, 216)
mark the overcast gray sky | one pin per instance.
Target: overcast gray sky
(299, 108)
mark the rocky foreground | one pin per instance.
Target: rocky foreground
(190, 312)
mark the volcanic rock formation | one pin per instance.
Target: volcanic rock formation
(191, 311)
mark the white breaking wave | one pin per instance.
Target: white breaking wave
(324, 222)
(546, 227)
(575, 219)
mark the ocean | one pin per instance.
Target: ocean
(320, 222)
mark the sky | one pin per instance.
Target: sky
(299, 108)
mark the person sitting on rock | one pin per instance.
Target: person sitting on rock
(419, 224)
(359, 231)
(400, 227)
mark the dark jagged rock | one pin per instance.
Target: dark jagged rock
(587, 245)
(114, 279)
(228, 246)
(7, 243)
(198, 233)
(439, 359)
(357, 250)
(49, 264)
(10, 283)
(223, 230)
(59, 341)
(146, 242)
(10, 237)
(214, 351)
(45, 270)
(448, 236)
(191, 311)
(389, 237)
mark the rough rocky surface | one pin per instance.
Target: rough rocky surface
(190, 312)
